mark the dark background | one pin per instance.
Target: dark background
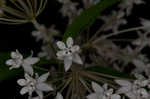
(19, 37)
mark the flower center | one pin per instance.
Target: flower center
(68, 51)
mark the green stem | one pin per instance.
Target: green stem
(66, 84)
(85, 84)
(99, 79)
(110, 21)
(119, 32)
(108, 76)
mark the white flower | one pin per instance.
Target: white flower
(90, 2)
(119, 21)
(143, 40)
(45, 52)
(141, 80)
(132, 90)
(59, 96)
(68, 53)
(140, 65)
(41, 35)
(18, 61)
(69, 9)
(146, 24)
(38, 85)
(102, 92)
(127, 5)
(94, 1)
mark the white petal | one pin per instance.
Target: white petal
(110, 91)
(22, 82)
(146, 24)
(44, 87)
(105, 86)
(24, 90)
(97, 88)
(61, 45)
(28, 69)
(115, 96)
(123, 90)
(139, 76)
(43, 77)
(131, 95)
(59, 96)
(143, 92)
(28, 78)
(13, 54)
(92, 96)
(61, 53)
(69, 42)
(31, 60)
(9, 62)
(139, 64)
(123, 83)
(75, 48)
(67, 63)
(40, 94)
(16, 55)
(12, 67)
(77, 59)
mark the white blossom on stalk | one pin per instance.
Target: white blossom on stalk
(143, 40)
(119, 21)
(68, 53)
(94, 1)
(59, 96)
(46, 34)
(69, 9)
(38, 85)
(141, 64)
(41, 35)
(90, 2)
(102, 92)
(18, 61)
(146, 24)
(45, 52)
(133, 90)
(127, 5)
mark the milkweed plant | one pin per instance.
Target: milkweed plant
(86, 62)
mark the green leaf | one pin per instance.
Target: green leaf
(2, 2)
(87, 18)
(110, 71)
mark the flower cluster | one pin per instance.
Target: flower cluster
(102, 92)
(29, 84)
(135, 89)
(83, 76)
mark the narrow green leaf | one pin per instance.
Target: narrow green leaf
(87, 18)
